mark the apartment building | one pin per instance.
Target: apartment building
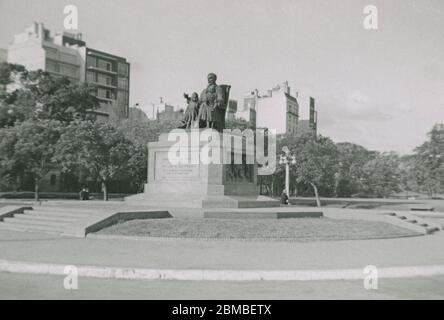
(66, 54)
(277, 109)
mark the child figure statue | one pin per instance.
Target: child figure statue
(190, 117)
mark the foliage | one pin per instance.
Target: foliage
(427, 165)
(37, 109)
(97, 148)
(352, 158)
(29, 147)
(10, 73)
(13, 104)
(146, 130)
(59, 99)
(315, 167)
(37, 95)
(381, 175)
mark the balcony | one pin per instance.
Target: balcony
(105, 99)
(97, 69)
(109, 86)
(58, 74)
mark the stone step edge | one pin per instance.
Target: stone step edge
(130, 273)
(31, 227)
(32, 217)
(429, 227)
(53, 214)
(103, 236)
(23, 229)
(35, 222)
(65, 209)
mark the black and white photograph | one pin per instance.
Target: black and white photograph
(222, 155)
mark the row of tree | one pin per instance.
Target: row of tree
(347, 169)
(48, 122)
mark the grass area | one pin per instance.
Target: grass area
(301, 229)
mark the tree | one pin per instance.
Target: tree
(29, 147)
(10, 73)
(38, 95)
(428, 162)
(59, 99)
(145, 131)
(12, 76)
(382, 175)
(98, 148)
(316, 163)
(137, 115)
(140, 132)
(11, 170)
(352, 158)
(138, 165)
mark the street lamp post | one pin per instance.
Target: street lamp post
(287, 158)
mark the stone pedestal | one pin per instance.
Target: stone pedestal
(197, 184)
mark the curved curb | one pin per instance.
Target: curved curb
(207, 239)
(216, 275)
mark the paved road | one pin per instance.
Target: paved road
(20, 286)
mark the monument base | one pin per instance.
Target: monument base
(194, 201)
(200, 185)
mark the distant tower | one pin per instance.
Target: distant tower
(313, 121)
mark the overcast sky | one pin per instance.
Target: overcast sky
(382, 89)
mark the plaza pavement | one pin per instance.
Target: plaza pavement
(421, 255)
(21, 286)
(222, 255)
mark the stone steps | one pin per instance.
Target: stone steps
(46, 219)
(29, 227)
(31, 221)
(52, 213)
(428, 226)
(38, 217)
(66, 209)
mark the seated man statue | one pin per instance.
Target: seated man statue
(209, 110)
(213, 104)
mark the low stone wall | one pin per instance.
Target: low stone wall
(105, 219)
(9, 211)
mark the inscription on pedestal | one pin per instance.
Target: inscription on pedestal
(164, 170)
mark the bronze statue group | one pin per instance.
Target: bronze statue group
(208, 110)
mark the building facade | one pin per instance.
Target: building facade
(153, 109)
(248, 108)
(310, 115)
(277, 110)
(3, 55)
(59, 55)
(169, 114)
(66, 54)
(111, 75)
(231, 110)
